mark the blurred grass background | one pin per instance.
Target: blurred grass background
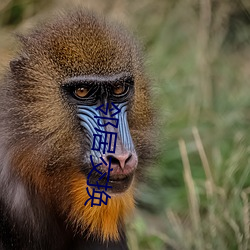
(198, 53)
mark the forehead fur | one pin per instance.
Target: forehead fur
(81, 43)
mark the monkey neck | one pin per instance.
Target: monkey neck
(33, 226)
(27, 220)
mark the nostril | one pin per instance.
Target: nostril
(113, 159)
(120, 160)
(130, 156)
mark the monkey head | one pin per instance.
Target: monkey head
(75, 76)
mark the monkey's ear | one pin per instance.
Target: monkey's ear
(22, 39)
(17, 65)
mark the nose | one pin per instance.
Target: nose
(119, 160)
(123, 163)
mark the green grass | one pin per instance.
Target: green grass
(199, 187)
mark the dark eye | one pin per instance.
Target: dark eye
(119, 89)
(81, 92)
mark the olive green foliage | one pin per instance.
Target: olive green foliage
(13, 12)
(198, 53)
(199, 189)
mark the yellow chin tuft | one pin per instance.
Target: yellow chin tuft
(100, 221)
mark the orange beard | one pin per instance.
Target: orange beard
(101, 221)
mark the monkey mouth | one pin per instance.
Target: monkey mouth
(120, 183)
(116, 183)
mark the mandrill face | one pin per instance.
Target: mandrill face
(102, 103)
(76, 115)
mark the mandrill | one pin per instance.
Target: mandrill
(75, 115)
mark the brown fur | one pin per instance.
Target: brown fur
(40, 135)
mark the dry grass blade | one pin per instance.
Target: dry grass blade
(204, 159)
(192, 197)
(246, 220)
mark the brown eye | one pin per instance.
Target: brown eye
(81, 92)
(119, 89)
